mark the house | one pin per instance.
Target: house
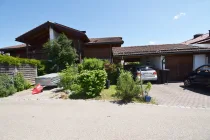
(180, 59)
(201, 40)
(34, 39)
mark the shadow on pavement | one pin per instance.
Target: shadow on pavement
(120, 102)
(54, 89)
(198, 89)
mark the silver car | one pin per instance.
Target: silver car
(146, 73)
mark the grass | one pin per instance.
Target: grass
(108, 95)
(141, 100)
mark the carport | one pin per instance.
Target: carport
(179, 58)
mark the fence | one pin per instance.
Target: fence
(29, 72)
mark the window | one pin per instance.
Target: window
(144, 68)
(203, 69)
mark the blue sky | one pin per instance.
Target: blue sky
(139, 22)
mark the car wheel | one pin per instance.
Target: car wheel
(187, 83)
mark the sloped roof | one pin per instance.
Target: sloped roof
(42, 31)
(13, 47)
(105, 40)
(110, 40)
(156, 49)
(197, 39)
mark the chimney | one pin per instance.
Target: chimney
(197, 35)
(209, 32)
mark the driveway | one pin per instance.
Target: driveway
(174, 94)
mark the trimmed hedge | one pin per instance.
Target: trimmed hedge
(5, 59)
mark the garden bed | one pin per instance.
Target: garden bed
(109, 95)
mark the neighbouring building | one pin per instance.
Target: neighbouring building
(86, 47)
(201, 40)
(181, 58)
(178, 58)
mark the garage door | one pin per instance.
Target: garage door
(179, 66)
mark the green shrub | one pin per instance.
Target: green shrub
(148, 87)
(113, 72)
(133, 63)
(41, 69)
(45, 67)
(6, 85)
(92, 82)
(76, 88)
(61, 51)
(127, 89)
(68, 77)
(27, 84)
(5, 59)
(19, 82)
(91, 64)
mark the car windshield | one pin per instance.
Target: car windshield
(144, 68)
(204, 68)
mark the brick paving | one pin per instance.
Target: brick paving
(174, 94)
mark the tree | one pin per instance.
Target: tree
(61, 52)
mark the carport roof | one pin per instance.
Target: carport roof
(157, 49)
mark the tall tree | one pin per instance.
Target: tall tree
(61, 52)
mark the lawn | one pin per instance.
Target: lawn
(108, 94)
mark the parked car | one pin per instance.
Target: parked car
(146, 73)
(199, 76)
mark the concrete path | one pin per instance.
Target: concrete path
(26, 95)
(97, 120)
(174, 94)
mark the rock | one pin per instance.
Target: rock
(68, 92)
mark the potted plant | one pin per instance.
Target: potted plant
(147, 97)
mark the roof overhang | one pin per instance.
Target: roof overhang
(100, 43)
(13, 48)
(203, 41)
(123, 51)
(40, 34)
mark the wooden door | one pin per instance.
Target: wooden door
(180, 66)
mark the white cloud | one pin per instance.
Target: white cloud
(152, 42)
(179, 15)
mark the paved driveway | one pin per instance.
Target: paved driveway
(174, 94)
